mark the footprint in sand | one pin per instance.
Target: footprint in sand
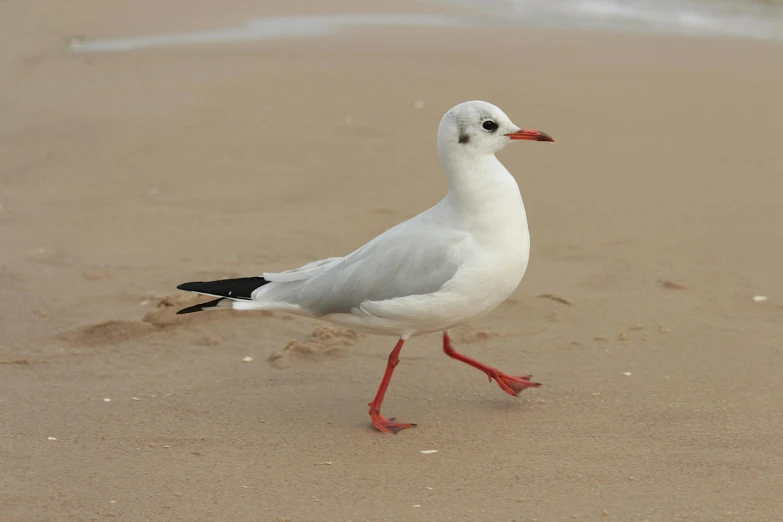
(323, 342)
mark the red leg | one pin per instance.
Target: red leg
(509, 384)
(379, 421)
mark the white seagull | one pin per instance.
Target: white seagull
(450, 264)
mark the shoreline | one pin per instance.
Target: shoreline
(465, 15)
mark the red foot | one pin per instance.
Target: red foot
(387, 425)
(510, 384)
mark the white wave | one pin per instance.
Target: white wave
(708, 17)
(268, 28)
(737, 18)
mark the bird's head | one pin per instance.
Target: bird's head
(480, 128)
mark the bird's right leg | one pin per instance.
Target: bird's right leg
(382, 423)
(510, 384)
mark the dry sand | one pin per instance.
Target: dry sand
(123, 175)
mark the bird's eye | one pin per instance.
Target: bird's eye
(490, 125)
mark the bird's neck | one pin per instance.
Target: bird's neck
(481, 185)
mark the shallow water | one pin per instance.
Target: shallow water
(756, 19)
(727, 18)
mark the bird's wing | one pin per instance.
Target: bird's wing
(416, 257)
(303, 272)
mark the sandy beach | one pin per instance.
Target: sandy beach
(656, 218)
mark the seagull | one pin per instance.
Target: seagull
(450, 264)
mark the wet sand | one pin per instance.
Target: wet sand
(656, 216)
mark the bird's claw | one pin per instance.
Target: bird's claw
(513, 385)
(388, 425)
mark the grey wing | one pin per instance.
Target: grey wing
(303, 272)
(402, 263)
(413, 258)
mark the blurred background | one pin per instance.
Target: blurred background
(146, 143)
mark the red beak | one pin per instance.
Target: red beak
(530, 134)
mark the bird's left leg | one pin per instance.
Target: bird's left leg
(379, 421)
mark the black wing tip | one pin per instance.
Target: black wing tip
(190, 287)
(191, 309)
(238, 288)
(199, 307)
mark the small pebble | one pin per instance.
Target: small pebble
(627, 374)
(520, 499)
(673, 285)
(247, 359)
(106, 399)
(135, 399)
(427, 452)
(166, 446)
(113, 501)
(51, 438)
(605, 513)
(760, 298)
(416, 505)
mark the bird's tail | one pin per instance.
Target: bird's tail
(236, 290)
